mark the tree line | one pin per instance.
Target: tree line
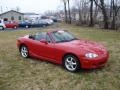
(102, 13)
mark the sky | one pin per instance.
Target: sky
(37, 6)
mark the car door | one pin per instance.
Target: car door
(41, 49)
(49, 48)
(8, 24)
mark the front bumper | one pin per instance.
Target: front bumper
(87, 63)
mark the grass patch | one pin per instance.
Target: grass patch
(17, 73)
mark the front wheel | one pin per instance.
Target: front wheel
(24, 51)
(71, 63)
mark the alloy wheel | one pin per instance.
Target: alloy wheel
(71, 63)
(24, 51)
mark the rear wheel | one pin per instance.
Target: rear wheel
(26, 26)
(71, 63)
(1, 28)
(44, 26)
(15, 27)
(24, 51)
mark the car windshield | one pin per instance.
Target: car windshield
(62, 36)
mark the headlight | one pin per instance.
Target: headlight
(91, 55)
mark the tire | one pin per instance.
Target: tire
(2, 28)
(27, 26)
(44, 26)
(15, 27)
(24, 51)
(71, 63)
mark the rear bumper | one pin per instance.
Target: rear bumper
(94, 63)
(18, 44)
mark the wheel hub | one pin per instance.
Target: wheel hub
(24, 51)
(70, 63)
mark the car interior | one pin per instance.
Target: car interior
(41, 36)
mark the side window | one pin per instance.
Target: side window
(40, 36)
(12, 18)
(0, 21)
(48, 38)
(5, 19)
(19, 18)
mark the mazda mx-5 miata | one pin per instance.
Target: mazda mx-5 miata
(61, 47)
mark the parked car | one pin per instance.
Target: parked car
(11, 24)
(63, 48)
(35, 25)
(43, 22)
(54, 18)
(49, 21)
(2, 25)
(25, 24)
(39, 23)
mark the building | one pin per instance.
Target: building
(12, 16)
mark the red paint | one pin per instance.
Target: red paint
(54, 52)
(11, 25)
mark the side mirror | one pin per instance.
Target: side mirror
(43, 41)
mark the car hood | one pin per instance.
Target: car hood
(85, 46)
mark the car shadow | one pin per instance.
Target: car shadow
(42, 60)
(84, 71)
(90, 70)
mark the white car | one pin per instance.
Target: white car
(2, 25)
(49, 21)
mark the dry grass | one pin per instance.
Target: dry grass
(17, 73)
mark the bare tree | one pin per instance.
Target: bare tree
(65, 10)
(69, 12)
(83, 11)
(96, 10)
(78, 7)
(91, 13)
(102, 6)
(115, 9)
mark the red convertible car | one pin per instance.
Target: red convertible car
(61, 47)
(11, 24)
